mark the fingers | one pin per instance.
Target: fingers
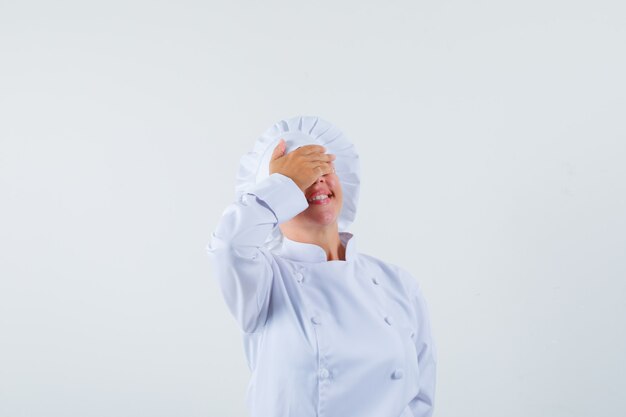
(315, 159)
(322, 168)
(322, 157)
(315, 153)
(329, 168)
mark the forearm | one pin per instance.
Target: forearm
(240, 263)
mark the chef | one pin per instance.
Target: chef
(328, 331)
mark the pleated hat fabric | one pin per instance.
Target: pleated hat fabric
(299, 131)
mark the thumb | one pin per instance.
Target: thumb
(279, 150)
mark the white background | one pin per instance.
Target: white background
(493, 149)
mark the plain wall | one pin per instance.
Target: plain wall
(492, 144)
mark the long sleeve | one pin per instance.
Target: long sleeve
(241, 265)
(423, 404)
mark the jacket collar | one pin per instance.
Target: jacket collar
(310, 252)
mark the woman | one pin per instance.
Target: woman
(328, 331)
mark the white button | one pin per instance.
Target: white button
(324, 373)
(316, 320)
(244, 199)
(374, 280)
(397, 374)
(388, 320)
(299, 276)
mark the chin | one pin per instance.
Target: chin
(325, 220)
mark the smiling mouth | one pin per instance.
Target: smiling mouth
(321, 199)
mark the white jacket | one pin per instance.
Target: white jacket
(322, 338)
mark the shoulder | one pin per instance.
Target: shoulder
(399, 275)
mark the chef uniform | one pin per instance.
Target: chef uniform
(322, 338)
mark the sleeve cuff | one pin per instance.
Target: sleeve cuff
(282, 195)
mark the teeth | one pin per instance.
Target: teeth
(319, 197)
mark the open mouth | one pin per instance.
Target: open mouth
(321, 199)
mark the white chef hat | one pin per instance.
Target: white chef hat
(299, 131)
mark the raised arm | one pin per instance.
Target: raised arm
(241, 264)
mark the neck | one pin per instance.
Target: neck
(325, 237)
